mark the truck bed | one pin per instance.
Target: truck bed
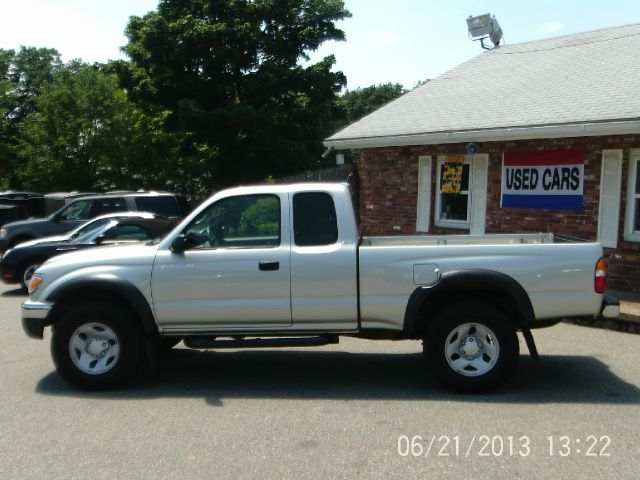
(492, 239)
(556, 272)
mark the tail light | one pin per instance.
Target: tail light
(600, 279)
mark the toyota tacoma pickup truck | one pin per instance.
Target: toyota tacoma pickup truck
(271, 266)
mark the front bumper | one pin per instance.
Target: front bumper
(35, 316)
(610, 307)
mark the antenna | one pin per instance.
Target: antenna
(483, 27)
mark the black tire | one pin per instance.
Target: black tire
(28, 265)
(479, 328)
(116, 331)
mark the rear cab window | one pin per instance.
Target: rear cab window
(314, 219)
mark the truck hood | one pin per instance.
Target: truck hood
(42, 241)
(139, 254)
(130, 263)
(25, 223)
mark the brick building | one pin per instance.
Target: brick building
(535, 137)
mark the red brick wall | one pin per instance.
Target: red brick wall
(389, 189)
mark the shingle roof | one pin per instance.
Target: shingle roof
(573, 80)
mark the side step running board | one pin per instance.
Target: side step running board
(212, 342)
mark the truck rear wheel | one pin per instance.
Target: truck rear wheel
(96, 345)
(471, 347)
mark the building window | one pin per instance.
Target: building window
(632, 222)
(453, 210)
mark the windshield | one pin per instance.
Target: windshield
(91, 234)
(87, 228)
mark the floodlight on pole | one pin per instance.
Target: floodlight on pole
(484, 26)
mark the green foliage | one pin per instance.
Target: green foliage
(358, 103)
(261, 218)
(77, 133)
(23, 75)
(214, 94)
(30, 70)
(86, 135)
(228, 73)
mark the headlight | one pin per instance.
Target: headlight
(35, 282)
(3, 233)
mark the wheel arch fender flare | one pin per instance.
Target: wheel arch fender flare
(460, 281)
(113, 287)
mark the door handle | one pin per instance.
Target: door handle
(269, 266)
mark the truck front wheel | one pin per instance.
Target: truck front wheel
(96, 345)
(471, 347)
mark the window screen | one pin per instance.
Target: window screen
(314, 219)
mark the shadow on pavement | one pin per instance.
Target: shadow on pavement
(18, 292)
(217, 376)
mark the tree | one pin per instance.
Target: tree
(355, 104)
(6, 151)
(229, 74)
(23, 75)
(358, 103)
(79, 132)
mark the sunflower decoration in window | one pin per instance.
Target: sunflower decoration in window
(454, 188)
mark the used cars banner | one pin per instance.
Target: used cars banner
(551, 180)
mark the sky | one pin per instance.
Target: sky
(397, 41)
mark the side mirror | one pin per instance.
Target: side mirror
(179, 244)
(184, 242)
(56, 217)
(100, 239)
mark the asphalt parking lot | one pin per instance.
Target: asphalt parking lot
(359, 409)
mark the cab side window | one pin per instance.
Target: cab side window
(314, 219)
(247, 221)
(78, 210)
(109, 205)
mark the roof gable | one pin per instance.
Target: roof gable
(518, 91)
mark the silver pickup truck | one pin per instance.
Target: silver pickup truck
(271, 266)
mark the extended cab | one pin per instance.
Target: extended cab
(285, 265)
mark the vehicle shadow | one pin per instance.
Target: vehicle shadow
(18, 292)
(216, 376)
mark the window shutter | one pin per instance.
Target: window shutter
(424, 194)
(609, 209)
(479, 194)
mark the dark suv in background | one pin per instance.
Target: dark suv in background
(18, 205)
(78, 211)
